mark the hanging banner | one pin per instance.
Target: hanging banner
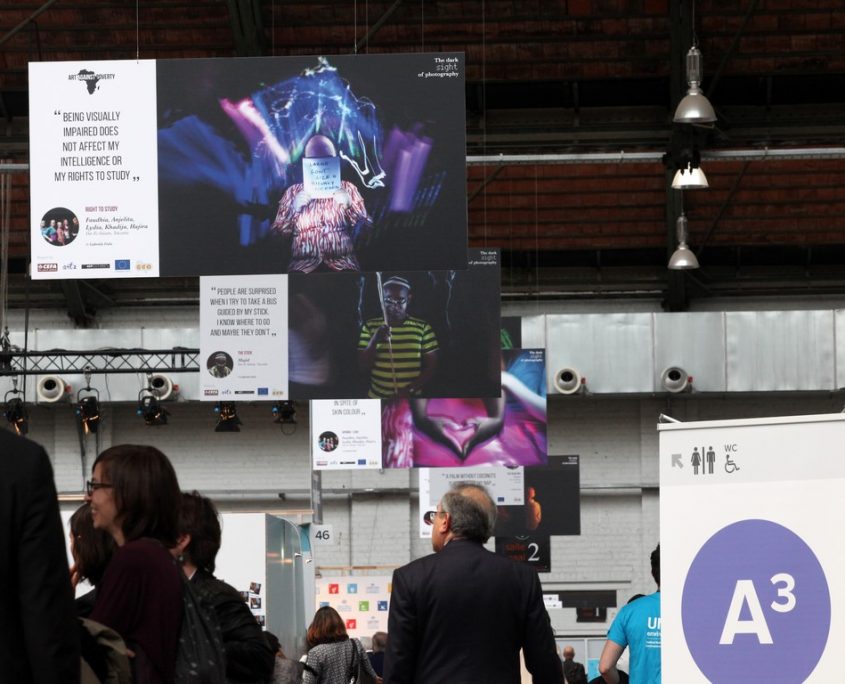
(346, 434)
(191, 167)
(751, 573)
(243, 338)
(397, 333)
(507, 430)
(552, 501)
(93, 169)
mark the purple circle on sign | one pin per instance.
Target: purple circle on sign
(730, 597)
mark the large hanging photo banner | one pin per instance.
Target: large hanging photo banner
(252, 165)
(752, 562)
(93, 169)
(397, 333)
(504, 430)
(243, 338)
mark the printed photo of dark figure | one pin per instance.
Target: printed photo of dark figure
(507, 430)
(552, 502)
(310, 164)
(396, 334)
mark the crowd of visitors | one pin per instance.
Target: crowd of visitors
(462, 614)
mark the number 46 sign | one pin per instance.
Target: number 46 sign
(323, 535)
(756, 605)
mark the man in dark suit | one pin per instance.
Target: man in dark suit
(462, 614)
(39, 636)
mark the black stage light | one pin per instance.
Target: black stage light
(150, 410)
(227, 420)
(284, 412)
(285, 415)
(88, 411)
(16, 413)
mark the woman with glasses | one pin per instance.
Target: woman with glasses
(135, 497)
(333, 657)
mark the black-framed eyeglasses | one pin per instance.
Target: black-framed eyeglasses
(91, 487)
(397, 301)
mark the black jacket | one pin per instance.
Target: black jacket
(462, 615)
(249, 659)
(39, 637)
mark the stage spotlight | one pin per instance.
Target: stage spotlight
(227, 420)
(88, 410)
(284, 412)
(285, 415)
(150, 410)
(16, 414)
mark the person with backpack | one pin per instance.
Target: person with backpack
(134, 496)
(249, 659)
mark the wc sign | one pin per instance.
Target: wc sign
(753, 579)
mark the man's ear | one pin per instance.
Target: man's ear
(445, 523)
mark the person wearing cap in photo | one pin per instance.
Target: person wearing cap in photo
(324, 216)
(399, 351)
(220, 368)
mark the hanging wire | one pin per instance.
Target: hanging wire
(422, 25)
(5, 213)
(137, 31)
(355, 27)
(273, 28)
(694, 34)
(536, 239)
(484, 108)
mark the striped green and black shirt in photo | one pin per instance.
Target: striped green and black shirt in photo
(408, 341)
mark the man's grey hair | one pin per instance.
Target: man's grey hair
(472, 510)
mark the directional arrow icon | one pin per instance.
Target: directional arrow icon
(676, 461)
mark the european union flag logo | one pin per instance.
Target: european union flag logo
(362, 461)
(263, 391)
(121, 264)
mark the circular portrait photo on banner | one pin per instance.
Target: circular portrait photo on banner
(219, 364)
(328, 441)
(59, 226)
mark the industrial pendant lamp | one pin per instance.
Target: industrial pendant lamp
(690, 178)
(694, 108)
(683, 257)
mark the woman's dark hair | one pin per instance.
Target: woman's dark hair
(92, 549)
(198, 518)
(146, 492)
(326, 628)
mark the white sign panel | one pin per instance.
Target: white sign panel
(753, 570)
(93, 169)
(506, 486)
(361, 600)
(243, 338)
(346, 434)
(323, 535)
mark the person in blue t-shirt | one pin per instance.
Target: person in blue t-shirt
(637, 626)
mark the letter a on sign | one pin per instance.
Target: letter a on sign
(744, 593)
